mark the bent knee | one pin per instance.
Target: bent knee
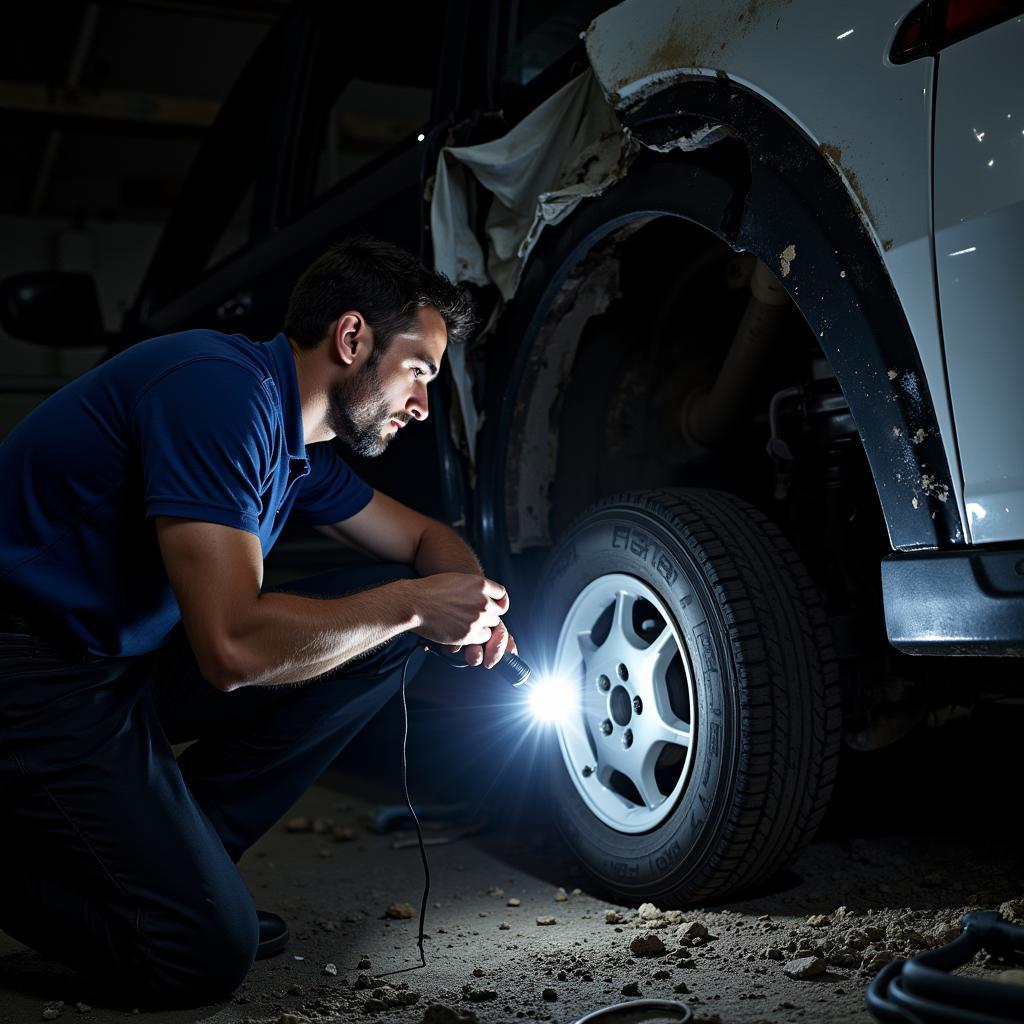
(208, 960)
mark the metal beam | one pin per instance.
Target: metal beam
(132, 107)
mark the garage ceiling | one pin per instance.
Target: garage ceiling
(103, 105)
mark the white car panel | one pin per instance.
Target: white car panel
(825, 66)
(979, 236)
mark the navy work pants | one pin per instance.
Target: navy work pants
(118, 859)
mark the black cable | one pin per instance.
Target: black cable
(408, 803)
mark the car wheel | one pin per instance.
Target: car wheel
(701, 746)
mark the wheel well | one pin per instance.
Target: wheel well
(718, 197)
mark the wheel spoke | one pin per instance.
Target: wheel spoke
(586, 645)
(661, 651)
(646, 785)
(622, 630)
(657, 729)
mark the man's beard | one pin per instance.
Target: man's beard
(357, 412)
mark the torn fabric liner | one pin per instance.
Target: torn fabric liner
(570, 148)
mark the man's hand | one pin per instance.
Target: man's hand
(490, 653)
(459, 608)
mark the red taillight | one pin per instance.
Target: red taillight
(965, 16)
(912, 36)
(935, 24)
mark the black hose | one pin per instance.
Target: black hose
(923, 991)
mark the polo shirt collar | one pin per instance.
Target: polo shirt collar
(283, 366)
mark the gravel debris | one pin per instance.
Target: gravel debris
(439, 1013)
(478, 995)
(546, 919)
(805, 967)
(631, 988)
(561, 895)
(648, 944)
(691, 931)
(400, 911)
(513, 901)
(549, 995)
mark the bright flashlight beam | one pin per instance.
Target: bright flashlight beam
(552, 698)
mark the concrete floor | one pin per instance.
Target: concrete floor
(917, 835)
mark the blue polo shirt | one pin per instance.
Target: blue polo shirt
(199, 425)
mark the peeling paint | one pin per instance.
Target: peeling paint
(786, 258)
(896, 432)
(892, 374)
(699, 138)
(834, 155)
(690, 42)
(919, 435)
(931, 486)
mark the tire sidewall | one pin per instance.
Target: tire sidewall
(624, 538)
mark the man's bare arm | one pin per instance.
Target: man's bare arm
(393, 532)
(242, 637)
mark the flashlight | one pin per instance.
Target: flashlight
(511, 668)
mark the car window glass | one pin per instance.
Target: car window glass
(237, 231)
(540, 35)
(213, 214)
(367, 119)
(367, 100)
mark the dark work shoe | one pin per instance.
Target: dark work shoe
(273, 934)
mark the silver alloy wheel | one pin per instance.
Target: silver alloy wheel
(628, 747)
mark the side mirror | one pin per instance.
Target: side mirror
(56, 308)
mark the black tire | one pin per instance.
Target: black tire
(764, 678)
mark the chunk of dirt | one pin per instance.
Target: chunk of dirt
(805, 967)
(647, 944)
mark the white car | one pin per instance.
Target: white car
(759, 272)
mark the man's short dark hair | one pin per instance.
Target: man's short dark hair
(383, 282)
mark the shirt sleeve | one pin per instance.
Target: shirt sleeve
(206, 431)
(332, 491)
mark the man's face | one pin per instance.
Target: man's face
(367, 408)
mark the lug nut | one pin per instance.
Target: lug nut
(606, 727)
(627, 738)
(603, 683)
(638, 705)
(623, 672)
(587, 771)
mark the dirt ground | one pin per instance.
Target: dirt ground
(918, 835)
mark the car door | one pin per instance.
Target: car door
(979, 224)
